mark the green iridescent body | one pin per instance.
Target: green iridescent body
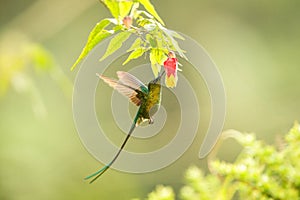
(150, 103)
(148, 99)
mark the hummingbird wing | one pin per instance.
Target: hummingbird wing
(132, 93)
(132, 81)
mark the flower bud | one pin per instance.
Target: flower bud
(127, 21)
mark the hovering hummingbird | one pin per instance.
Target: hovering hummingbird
(146, 97)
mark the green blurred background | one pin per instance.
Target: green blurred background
(255, 45)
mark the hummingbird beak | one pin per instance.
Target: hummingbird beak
(162, 74)
(158, 78)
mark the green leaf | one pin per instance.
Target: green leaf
(143, 21)
(99, 27)
(139, 13)
(173, 42)
(175, 34)
(150, 8)
(150, 27)
(160, 55)
(116, 43)
(155, 69)
(133, 13)
(97, 35)
(153, 56)
(118, 9)
(160, 39)
(117, 28)
(124, 8)
(157, 57)
(134, 55)
(136, 44)
(113, 7)
(151, 40)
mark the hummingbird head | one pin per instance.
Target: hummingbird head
(157, 80)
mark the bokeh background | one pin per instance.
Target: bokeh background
(255, 45)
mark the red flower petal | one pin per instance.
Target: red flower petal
(171, 66)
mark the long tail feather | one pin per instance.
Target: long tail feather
(106, 167)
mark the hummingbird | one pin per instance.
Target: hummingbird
(148, 99)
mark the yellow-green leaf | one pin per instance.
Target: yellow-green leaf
(124, 8)
(97, 35)
(118, 9)
(173, 42)
(133, 13)
(150, 8)
(151, 40)
(99, 27)
(155, 69)
(161, 58)
(113, 7)
(134, 55)
(176, 35)
(155, 59)
(136, 44)
(153, 56)
(157, 56)
(116, 43)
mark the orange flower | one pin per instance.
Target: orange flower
(171, 67)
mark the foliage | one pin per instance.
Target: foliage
(19, 58)
(153, 37)
(261, 171)
(161, 193)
